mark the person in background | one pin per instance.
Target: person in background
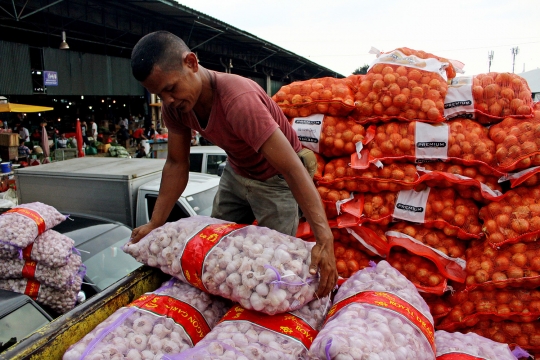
(151, 132)
(268, 173)
(194, 138)
(124, 122)
(23, 133)
(93, 129)
(123, 136)
(36, 135)
(23, 150)
(62, 141)
(84, 129)
(141, 152)
(138, 135)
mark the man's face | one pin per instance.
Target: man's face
(179, 88)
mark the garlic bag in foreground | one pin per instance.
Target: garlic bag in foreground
(377, 314)
(170, 320)
(246, 334)
(450, 345)
(259, 268)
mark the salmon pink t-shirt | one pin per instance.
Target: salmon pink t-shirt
(243, 117)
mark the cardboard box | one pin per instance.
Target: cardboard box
(9, 152)
(7, 139)
(103, 148)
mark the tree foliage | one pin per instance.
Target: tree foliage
(362, 70)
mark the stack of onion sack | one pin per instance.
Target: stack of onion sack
(169, 320)
(327, 95)
(37, 261)
(377, 314)
(517, 142)
(488, 98)
(402, 87)
(260, 268)
(454, 346)
(245, 334)
(461, 141)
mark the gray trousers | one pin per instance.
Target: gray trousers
(243, 200)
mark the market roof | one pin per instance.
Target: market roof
(114, 27)
(22, 108)
(533, 79)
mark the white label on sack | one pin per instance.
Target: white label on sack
(459, 100)
(411, 205)
(431, 141)
(359, 146)
(462, 263)
(517, 175)
(308, 130)
(396, 57)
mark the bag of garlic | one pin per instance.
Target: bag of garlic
(60, 301)
(50, 249)
(246, 334)
(171, 319)
(457, 346)
(377, 314)
(58, 277)
(259, 268)
(21, 225)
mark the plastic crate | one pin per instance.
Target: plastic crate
(65, 154)
(9, 152)
(9, 139)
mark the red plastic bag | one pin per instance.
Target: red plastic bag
(462, 141)
(420, 271)
(402, 87)
(517, 142)
(440, 208)
(488, 98)
(467, 180)
(515, 218)
(447, 253)
(331, 136)
(512, 266)
(326, 95)
(477, 305)
(394, 177)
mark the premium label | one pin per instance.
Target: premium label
(411, 205)
(32, 289)
(182, 313)
(308, 130)
(431, 141)
(31, 214)
(29, 269)
(285, 324)
(393, 303)
(199, 246)
(459, 100)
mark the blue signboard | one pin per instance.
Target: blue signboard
(50, 78)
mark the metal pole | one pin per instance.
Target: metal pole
(490, 57)
(515, 51)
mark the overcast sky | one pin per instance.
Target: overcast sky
(338, 34)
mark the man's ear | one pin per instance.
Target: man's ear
(191, 61)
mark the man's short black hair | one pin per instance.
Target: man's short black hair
(158, 48)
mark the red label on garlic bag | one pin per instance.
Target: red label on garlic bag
(284, 324)
(32, 289)
(393, 303)
(199, 246)
(458, 356)
(27, 251)
(29, 269)
(185, 315)
(31, 214)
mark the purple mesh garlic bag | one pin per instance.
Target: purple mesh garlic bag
(169, 320)
(50, 249)
(377, 314)
(59, 300)
(451, 345)
(58, 277)
(246, 334)
(259, 268)
(21, 225)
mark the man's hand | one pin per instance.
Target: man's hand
(138, 233)
(322, 259)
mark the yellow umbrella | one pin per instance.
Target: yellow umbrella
(22, 108)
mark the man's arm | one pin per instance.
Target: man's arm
(173, 182)
(279, 152)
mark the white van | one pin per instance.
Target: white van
(206, 159)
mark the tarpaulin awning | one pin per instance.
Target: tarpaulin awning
(22, 108)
